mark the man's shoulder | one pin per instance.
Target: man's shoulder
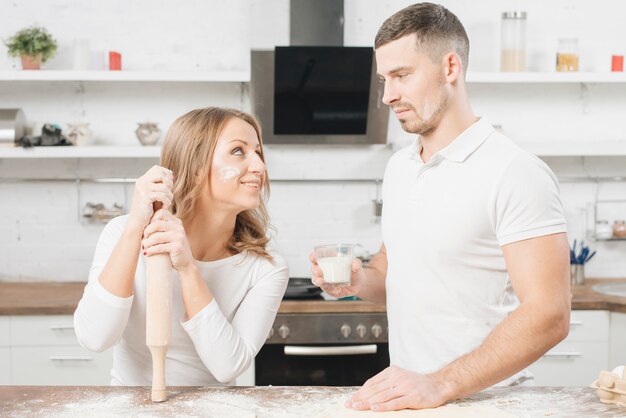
(501, 152)
(401, 158)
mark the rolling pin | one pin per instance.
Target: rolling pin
(158, 317)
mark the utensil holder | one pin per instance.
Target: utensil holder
(577, 274)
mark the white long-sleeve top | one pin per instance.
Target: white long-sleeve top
(213, 347)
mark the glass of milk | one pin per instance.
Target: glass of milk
(336, 263)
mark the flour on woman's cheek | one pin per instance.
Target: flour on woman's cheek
(228, 173)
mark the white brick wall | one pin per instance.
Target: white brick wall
(42, 237)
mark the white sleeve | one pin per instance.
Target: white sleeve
(227, 349)
(101, 317)
(527, 202)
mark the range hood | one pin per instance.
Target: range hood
(316, 23)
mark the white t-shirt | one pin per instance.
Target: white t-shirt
(443, 226)
(213, 347)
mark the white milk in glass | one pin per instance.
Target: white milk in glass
(336, 270)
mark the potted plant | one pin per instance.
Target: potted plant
(34, 45)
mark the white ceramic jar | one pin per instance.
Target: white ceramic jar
(603, 229)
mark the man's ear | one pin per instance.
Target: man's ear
(452, 67)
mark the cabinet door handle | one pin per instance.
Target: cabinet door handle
(348, 350)
(71, 358)
(60, 327)
(564, 354)
(575, 322)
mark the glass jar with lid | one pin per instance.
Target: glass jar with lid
(567, 55)
(619, 229)
(603, 229)
(513, 41)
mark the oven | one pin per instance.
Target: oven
(323, 349)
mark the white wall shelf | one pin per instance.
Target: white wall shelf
(576, 148)
(82, 152)
(244, 76)
(541, 149)
(171, 76)
(547, 77)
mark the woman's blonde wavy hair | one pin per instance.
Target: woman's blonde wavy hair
(188, 151)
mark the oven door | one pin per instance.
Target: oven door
(319, 364)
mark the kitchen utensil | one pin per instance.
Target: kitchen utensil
(158, 317)
(301, 288)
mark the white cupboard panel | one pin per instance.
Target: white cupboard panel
(60, 365)
(42, 330)
(589, 326)
(5, 332)
(5, 366)
(617, 355)
(571, 364)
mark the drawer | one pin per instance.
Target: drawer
(43, 330)
(589, 326)
(5, 366)
(5, 331)
(571, 364)
(60, 365)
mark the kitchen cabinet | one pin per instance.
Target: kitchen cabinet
(43, 350)
(5, 366)
(617, 340)
(5, 352)
(577, 360)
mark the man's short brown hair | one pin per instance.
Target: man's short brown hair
(438, 31)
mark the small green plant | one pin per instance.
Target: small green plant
(33, 41)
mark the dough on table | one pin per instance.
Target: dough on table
(446, 411)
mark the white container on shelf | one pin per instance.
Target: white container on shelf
(603, 229)
(513, 41)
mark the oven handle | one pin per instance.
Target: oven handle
(346, 350)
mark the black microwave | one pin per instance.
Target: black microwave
(318, 95)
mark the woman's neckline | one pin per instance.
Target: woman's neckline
(221, 261)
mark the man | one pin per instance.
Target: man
(474, 265)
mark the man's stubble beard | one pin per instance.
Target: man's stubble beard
(425, 127)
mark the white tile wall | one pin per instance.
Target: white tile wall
(42, 236)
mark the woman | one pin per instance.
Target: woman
(227, 285)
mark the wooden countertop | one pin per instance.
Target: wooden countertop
(47, 298)
(583, 297)
(268, 401)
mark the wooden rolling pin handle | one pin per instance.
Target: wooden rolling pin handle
(158, 317)
(159, 393)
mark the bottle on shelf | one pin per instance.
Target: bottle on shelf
(567, 55)
(619, 229)
(513, 41)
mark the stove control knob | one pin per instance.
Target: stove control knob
(345, 330)
(361, 330)
(377, 330)
(283, 331)
(271, 334)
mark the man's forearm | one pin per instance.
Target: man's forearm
(373, 289)
(522, 338)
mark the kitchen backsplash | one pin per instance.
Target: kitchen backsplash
(44, 238)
